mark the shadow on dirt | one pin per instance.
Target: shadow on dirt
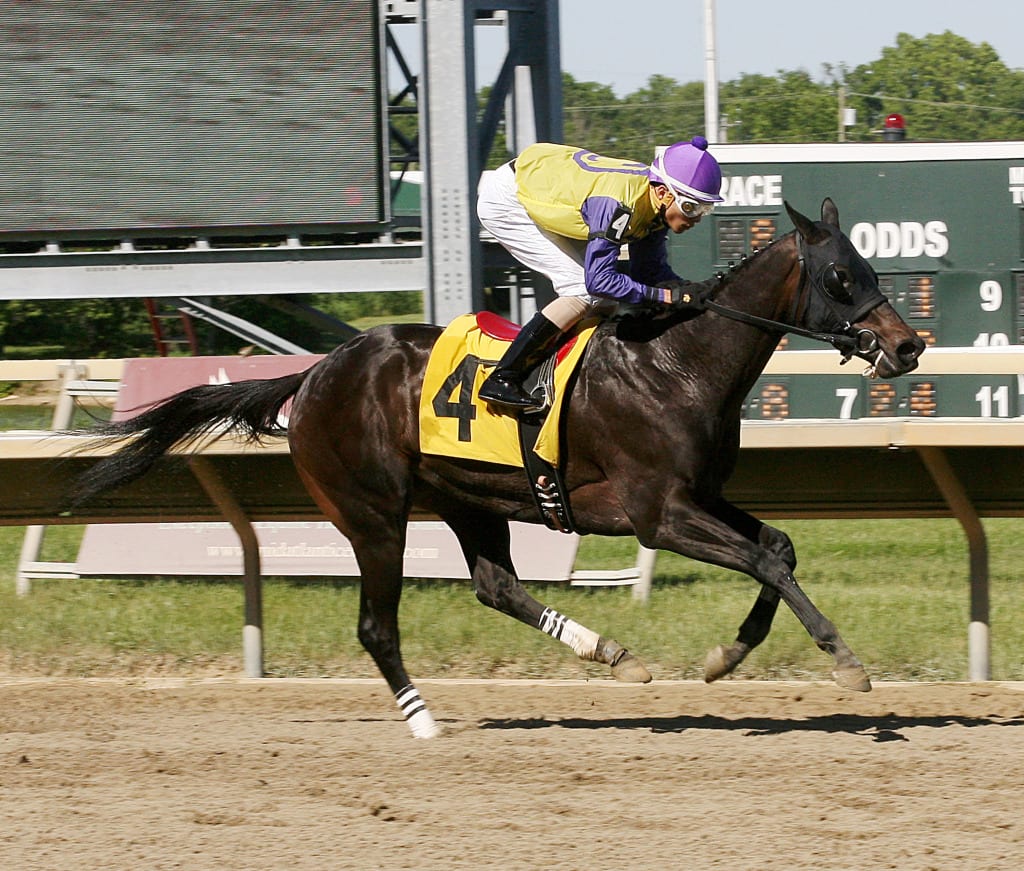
(879, 729)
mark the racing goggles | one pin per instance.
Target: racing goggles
(692, 208)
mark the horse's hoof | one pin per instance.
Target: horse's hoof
(717, 664)
(723, 660)
(630, 669)
(852, 678)
(423, 725)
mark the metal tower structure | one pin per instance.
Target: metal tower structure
(457, 135)
(432, 244)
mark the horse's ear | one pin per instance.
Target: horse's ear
(805, 226)
(830, 213)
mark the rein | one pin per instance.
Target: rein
(846, 344)
(849, 342)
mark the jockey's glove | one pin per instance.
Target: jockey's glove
(679, 294)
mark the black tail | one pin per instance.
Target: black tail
(247, 407)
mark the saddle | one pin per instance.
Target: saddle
(455, 422)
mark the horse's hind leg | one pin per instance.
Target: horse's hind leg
(378, 540)
(352, 431)
(380, 564)
(485, 543)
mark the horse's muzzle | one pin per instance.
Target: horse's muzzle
(886, 341)
(899, 361)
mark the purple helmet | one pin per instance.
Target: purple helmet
(688, 169)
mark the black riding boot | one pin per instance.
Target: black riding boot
(504, 386)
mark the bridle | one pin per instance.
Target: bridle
(850, 341)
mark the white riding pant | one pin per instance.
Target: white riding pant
(558, 257)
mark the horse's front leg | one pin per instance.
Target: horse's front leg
(485, 543)
(693, 532)
(723, 659)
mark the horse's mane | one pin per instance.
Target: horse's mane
(648, 319)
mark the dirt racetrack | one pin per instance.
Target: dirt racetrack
(276, 774)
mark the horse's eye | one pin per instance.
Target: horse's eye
(835, 282)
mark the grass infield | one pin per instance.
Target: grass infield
(896, 589)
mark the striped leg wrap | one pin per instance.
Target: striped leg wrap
(582, 640)
(416, 714)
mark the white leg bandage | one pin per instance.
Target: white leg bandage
(579, 638)
(416, 714)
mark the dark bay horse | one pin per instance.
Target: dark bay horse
(652, 435)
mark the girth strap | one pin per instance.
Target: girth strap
(545, 480)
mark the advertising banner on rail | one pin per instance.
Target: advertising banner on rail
(287, 549)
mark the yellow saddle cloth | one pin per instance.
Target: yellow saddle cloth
(455, 422)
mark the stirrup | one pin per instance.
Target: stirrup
(507, 393)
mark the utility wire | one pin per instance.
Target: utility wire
(942, 104)
(782, 97)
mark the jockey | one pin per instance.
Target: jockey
(566, 212)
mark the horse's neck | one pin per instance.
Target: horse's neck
(708, 351)
(764, 286)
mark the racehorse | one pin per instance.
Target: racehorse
(652, 433)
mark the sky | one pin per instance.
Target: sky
(622, 44)
(765, 36)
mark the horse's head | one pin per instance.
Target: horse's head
(841, 296)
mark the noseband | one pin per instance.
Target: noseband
(850, 341)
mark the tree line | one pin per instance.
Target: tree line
(946, 87)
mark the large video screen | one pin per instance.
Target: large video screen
(189, 114)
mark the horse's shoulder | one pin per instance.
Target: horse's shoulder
(638, 327)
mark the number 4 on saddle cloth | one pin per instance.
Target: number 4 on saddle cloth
(455, 422)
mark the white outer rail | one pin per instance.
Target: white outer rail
(1006, 360)
(927, 436)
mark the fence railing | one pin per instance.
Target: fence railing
(964, 468)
